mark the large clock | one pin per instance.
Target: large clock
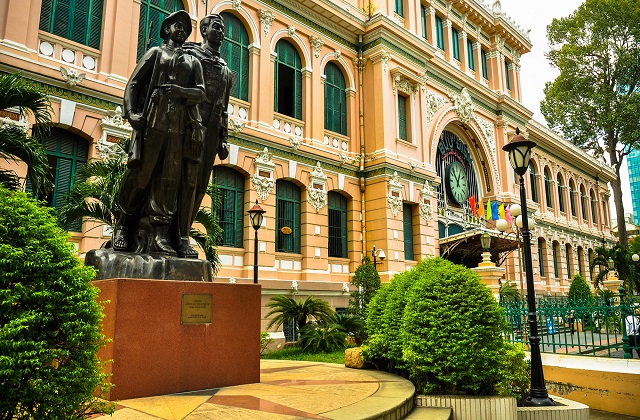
(456, 183)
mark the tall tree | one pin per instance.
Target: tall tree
(595, 101)
(15, 143)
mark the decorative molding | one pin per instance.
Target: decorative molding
(434, 103)
(295, 142)
(235, 4)
(403, 85)
(114, 129)
(394, 198)
(385, 61)
(266, 19)
(291, 31)
(426, 194)
(72, 76)
(463, 105)
(262, 179)
(316, 45)
(337, 54)
(316, 188)
(236, 126)
(488, 131)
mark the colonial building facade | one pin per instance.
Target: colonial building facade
(352, 123)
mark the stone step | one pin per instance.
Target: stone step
(430, 413)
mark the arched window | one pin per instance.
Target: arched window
(288, 80)
(335, 100)
(534, 184)
(547, 187)
(231, 213)
(66, 152)
(287, 217)
(455, 44)
(77, 20)
(572, 195)
(580, 260)
(337, 204)
(560, 193)
(541, 258)
(235, 51)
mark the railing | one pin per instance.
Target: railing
(583, 327)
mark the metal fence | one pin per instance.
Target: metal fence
(585, 327)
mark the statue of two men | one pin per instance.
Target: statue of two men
(176, 100)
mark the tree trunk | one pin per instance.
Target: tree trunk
(616, 186)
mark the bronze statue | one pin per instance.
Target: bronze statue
(160, 102)
(218, 80)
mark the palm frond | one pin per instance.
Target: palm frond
(19, 92)
(16, 146)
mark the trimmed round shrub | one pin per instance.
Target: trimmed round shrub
(49, 318)
(579, 290)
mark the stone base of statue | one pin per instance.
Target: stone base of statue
(114, 264)
(177, 336)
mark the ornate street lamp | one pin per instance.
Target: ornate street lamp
(485, 241)
(519, 149)
(256, 213)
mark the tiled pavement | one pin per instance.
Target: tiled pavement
(287, 390)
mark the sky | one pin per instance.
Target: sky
(535, 68)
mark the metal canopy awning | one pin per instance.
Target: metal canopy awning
(465, 248)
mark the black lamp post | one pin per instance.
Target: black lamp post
(256, 213)
(519, 150)
(377, 253)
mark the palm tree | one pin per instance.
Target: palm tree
(94, 196)
(509, 292)
(298, 311)
(15, 144)
(622, 262)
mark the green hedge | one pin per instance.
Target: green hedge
(49, 318)
(442, 329)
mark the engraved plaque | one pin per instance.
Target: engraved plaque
(196, 309)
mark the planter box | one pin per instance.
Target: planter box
(503, 408)
(467, 407)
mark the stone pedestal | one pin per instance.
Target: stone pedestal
(490, 275)
(113, 265)
(612, 283)
(155, 352)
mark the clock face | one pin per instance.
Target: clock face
(456, 183)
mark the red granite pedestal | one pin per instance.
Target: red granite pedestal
(155, 353)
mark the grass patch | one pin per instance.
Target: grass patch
(295, 353)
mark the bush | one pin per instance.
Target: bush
(49, 318)
(580, 290)
(514, 374)
(321, 338)
(350, 325)
(265, 340)
(366, 282)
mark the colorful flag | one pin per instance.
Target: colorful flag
(480, 209)
(472, 204)
(501, 211)
(507, 214)
(488, 209)
(494, 211)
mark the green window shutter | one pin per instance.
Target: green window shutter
(583, 199)
(399, 8)
(337, 225)
(95, 24)
(534, 185)
(439, 33)
(46, 12)
(547, 188)
(555, 261)
(572, 202)
(78, 28)
(231, 213)
(235, 51)
(407, 227)
(423, 19)
(483, 58)
(560, 194)
(454, 43)
(580, 261)
(287, 216)
(470, 59)
(61, 18)
(593, 209)
(402, 117)
(506, 75)
(541, 256)
(335, 100)
(66, 152)
(567, 254)
(288, 80)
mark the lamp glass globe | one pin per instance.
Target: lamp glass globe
(502, 225)
(519, 221)
(515, 210)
